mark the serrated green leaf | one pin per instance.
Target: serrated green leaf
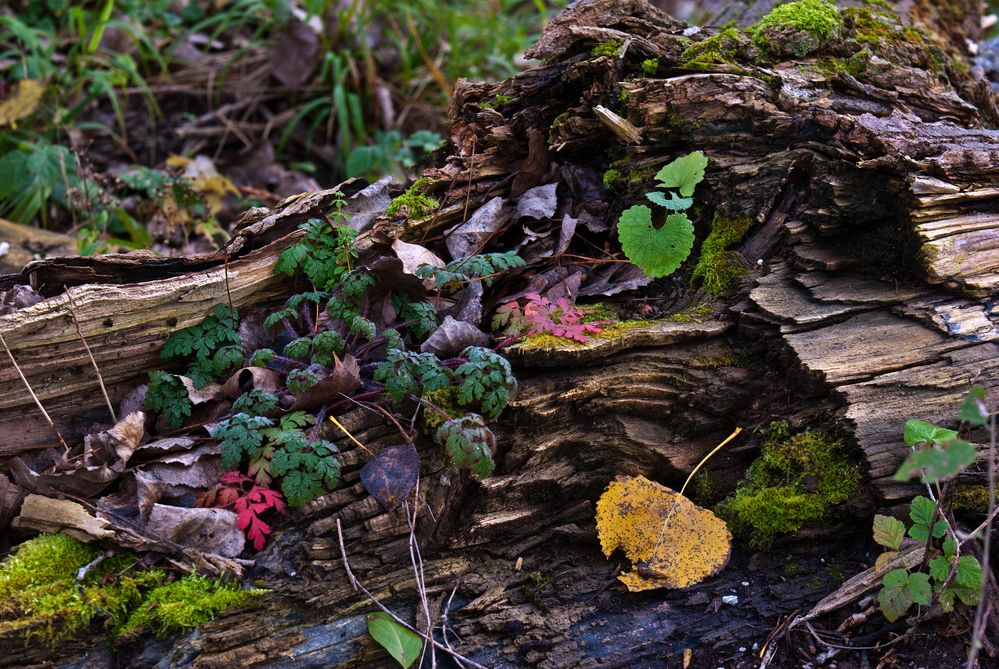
(684, 173)
(949, 547)
(658, 252)
(299, 486)
(974, 410)
(919, 588)
(969, 573)
(674, 203)
(939, 568)
(921, 510)
(940, 528)
(402, 644)
(936, 464)
(920, 432)
(895, 578)
(894, 602)
(946, 599)
(888, 531)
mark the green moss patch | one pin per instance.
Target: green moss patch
(40, 598)
(798, 28)
(718, 268)
(610, 48)
(414, 203)
(726, 48)
(796, 480)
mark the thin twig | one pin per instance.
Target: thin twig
(357, 585)
(31, 392)
(228, 293)
(417, 560)
(100, 379)
(980, 612)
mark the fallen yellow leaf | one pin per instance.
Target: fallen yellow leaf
(22, 102)
(672, 542)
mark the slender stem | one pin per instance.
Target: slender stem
(31, 392)
(97, 370)
(979, 629)
(357, 585)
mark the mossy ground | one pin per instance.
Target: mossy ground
(414, 203)
(610, 48)
(797, 479)
(725, 48)
(717, 267)
(40, 598)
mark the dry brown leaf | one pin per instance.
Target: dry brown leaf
(22, 102)
(672, 542)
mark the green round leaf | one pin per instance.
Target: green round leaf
(683, 173)
(658, 252)
(402, 644)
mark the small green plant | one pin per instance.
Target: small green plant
(938, 456)
(414, 203)
(213, 343)
(325, 254)
(660, 251)
(650, 67)
(479, 267)
(610, 48)
(166, 393)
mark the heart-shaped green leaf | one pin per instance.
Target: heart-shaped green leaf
(684, 173)
(658, 252)
(402, 644)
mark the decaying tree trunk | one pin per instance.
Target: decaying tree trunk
(872, 261)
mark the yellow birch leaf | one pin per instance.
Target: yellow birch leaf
(671, 542)
(22, 102)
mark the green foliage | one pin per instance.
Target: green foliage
(938, 456)
(718, 267)
(469, 443)
(403, 645)
(324, 255)
(463, 270)
(41, 599)
(300, 380)
(660, 251)
(943, 455)
(256, 402)
(422, 315)
(167, 394)
(213, 344)
(279, 451)
(414, 203)
(650, 67)
(485, 379)
(797, 479)
(407, 373)
(725, 48)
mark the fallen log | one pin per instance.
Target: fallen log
(868, 176)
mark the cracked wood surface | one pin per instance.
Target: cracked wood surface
(873, 201)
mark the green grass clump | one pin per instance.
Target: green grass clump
(40, 598)
(718, 267)
(796, 480)
(798, 27)
(414, 201)
(650, 67)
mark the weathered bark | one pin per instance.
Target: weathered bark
(873, 259)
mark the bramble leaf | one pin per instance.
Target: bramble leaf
(935, 464)
(659, 252)
(920, 432)
(974, 410)
(888, 531)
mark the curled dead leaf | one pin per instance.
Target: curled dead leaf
(672, 542)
